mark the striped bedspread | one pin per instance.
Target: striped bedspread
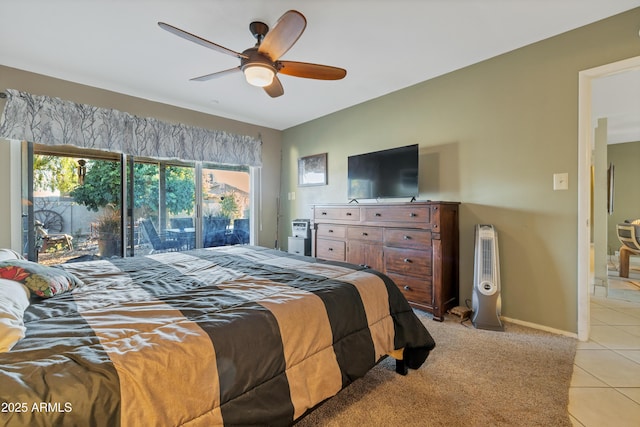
(237, 335)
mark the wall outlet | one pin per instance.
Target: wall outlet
(561, 181)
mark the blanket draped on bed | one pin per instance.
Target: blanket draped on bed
(231, 336)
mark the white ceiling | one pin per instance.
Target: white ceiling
(384, 45)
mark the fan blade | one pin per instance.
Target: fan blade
(215, 75)
(311, 71)
(275, 89)
(284, 34)
(199, 40)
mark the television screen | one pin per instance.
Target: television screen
(384, 174)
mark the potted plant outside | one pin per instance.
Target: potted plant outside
(108, 230)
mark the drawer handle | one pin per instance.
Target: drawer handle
(407, 260)
(348, 213)
(365, 233)
(330, 231)
(407, 288)
(378, 214)
(405, 237)
(330, 249)
(413, 215)
(323, 213)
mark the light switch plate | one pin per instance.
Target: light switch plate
(561, 181)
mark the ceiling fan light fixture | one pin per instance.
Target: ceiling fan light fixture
(259, 75)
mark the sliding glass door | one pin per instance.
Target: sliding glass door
(163, 206)
(74, 205)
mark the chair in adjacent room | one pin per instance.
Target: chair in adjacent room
(629, 236)
(151, 234)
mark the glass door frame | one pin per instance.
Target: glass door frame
(28, 247)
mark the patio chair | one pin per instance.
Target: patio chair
(215, 231)
(52, 240)
(186, 238)
(151, 235)
(240, 231)
(181, 223)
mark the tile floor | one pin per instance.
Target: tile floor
(605, 387)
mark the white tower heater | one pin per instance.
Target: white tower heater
(486, 280)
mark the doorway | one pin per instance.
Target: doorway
(623, 266)
(586, 79)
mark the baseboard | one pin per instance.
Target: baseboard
(540, 327)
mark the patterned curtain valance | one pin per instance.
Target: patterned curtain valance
(53, 121)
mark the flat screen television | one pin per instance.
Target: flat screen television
(388, 173)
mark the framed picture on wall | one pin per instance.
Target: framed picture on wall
(312, 170)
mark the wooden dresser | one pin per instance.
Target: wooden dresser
(416, 244)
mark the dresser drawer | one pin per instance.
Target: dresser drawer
(365, 253)
(335, 213)
(407, 238)
(413, 288)
(330, 249)
(408, 261)
(405, 214)
(369, 234)
(331, 231)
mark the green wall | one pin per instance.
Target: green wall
(42, 85)
(626, 200)
(491, 136)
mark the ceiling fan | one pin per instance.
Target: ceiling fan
(260, 63)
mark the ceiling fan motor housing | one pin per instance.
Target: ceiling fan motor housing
(256, 58)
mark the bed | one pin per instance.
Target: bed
(237, 335)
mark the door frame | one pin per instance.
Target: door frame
(585, 140)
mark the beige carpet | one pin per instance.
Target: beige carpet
(473, 377)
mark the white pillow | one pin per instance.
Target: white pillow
(14, 300)
(9, 254)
